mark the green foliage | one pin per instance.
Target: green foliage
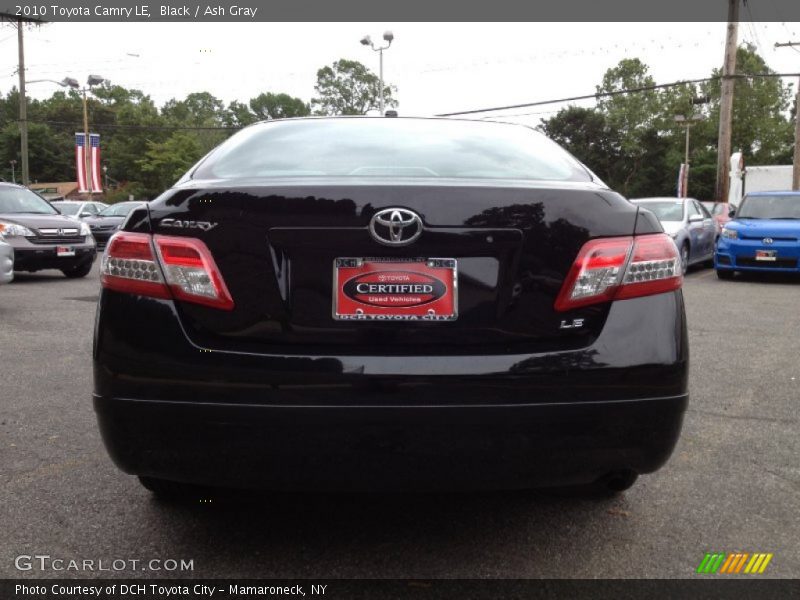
(146, 149)
(633, 143)
(166, 162)
(348, 88)
(278, 106)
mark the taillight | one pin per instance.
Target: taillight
(129, 265)
(164, 267)
(191, 272)
(618, 268)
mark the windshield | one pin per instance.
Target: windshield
(67, 208)
(770, 207)
(665, 211)
(404, 148)
(118, 210)
(14, 200)
(715, 208)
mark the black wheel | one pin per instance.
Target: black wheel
(685, 257)
(607, 486)
(172, 490)
(79, 271)
(724, 274)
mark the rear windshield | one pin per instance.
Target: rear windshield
(14, 200)
(390, 147)
(665, 211)
(66, 208)
(770, 207)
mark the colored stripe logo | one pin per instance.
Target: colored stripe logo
(734, 563)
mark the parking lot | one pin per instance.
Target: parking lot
(732, 485)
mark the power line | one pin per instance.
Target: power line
(141, 127)
(646, 88)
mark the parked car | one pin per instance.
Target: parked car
(42, 237)
(79, 210)
(688, 223)
(720, 211)
(109, 220)
(763, 235)
(390, 303)
(6, 262)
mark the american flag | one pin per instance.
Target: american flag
(91, 184)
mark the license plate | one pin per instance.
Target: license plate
(65, 251)
(766, 255)
(377, 289)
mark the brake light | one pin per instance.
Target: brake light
(129, 265)
(191, 272)
(619, 268)
(164, 267)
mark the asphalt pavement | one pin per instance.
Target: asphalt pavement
(732, 485)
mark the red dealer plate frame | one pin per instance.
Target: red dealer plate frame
(395, 289)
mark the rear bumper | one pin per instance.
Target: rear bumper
(170, 409)
(389, 448)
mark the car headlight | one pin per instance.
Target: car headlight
(85, 229)
(731, 234)
(8, 230)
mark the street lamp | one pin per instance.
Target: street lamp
(687, 123)
(388, 36)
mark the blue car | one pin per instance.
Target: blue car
(764, 235)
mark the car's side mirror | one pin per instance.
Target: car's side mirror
(85, 214)
(732, 213)
(695, 218)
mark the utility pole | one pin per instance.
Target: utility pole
(23, 105)
(796, 163)
(726, 104)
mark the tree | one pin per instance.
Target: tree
(761, 129)
(278, 106)
(347, 87)
(166, 162)
(586, 134)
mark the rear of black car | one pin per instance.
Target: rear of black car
(394, 304)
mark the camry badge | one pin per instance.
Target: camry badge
(178, 224)
(767, 240)
(395, 226)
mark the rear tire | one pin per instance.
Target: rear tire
(79, 271)
(608, 486)
(724, 274)
(169, 490)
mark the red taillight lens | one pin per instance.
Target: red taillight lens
(184, 269)
(618, 268)
(129, 265)
(191, 272)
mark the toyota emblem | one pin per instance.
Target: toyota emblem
(767, 240)
(395, 226)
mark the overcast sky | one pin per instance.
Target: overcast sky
(436, 67)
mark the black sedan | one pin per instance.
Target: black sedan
(396, 304)
(106, 223)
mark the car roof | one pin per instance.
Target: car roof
(775, 193)
(661, 199)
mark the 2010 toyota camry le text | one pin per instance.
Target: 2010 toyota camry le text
(390, 303)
